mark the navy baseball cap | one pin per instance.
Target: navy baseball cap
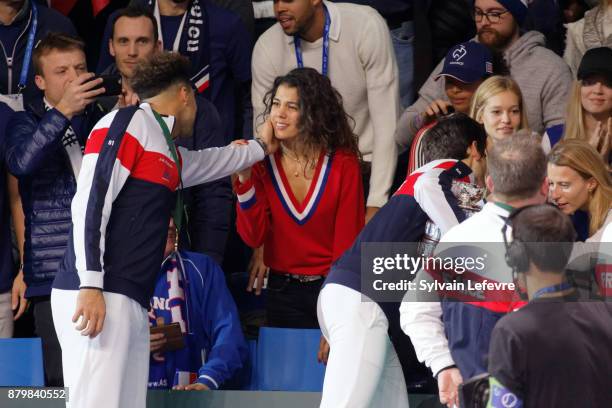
(468, 62)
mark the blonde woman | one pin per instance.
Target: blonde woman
(589, 114)
(579, 180)
(594, 30)
(498, 104)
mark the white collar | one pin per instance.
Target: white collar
(48, 106)
(169, 119)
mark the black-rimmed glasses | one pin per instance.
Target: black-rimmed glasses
(492, 16)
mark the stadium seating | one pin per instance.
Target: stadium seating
(21, 363)
(287, 360)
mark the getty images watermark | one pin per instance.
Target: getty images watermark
(392, 272)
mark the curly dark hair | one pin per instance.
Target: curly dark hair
(323, 122)
(159, 72)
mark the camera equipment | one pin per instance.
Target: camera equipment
(474, 393)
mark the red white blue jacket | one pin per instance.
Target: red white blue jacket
(124, 199)
(425, 194)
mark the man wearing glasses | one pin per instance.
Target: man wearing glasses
(543, 76)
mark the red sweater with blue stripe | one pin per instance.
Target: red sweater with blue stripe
(302, 238)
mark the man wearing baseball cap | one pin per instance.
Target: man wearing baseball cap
(466, 65)
(543, 76)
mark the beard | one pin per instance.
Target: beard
(494, 40)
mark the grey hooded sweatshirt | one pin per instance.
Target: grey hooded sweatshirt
(544, 78)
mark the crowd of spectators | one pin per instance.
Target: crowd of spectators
(380, 112)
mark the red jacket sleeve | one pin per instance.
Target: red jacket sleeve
(252, 209)
(350, 213)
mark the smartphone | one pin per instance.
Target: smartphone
(111, 84)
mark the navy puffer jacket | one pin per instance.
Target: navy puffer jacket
(35, 155)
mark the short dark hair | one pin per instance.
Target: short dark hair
(135, 11)
(517, 166)
(451, 137)
(159, 72)
(54, 41)
(547, 235)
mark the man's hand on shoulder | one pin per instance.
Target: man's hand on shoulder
(90, 312)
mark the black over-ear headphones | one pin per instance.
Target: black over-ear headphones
(517, 255)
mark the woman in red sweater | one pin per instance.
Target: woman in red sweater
(305, 202)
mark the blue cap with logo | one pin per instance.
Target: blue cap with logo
(468, 62)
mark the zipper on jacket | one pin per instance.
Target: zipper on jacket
(9, 65)
(9, 60)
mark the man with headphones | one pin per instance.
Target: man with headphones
(555, 351)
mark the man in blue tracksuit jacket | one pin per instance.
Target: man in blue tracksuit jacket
(191, 290)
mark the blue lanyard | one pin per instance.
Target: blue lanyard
(552, 289)
(298, 48)
(28, 54)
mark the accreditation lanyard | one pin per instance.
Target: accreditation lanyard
(29, 47)
(178, 209)
(179, 32)
(552, 289)
(298, 47)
